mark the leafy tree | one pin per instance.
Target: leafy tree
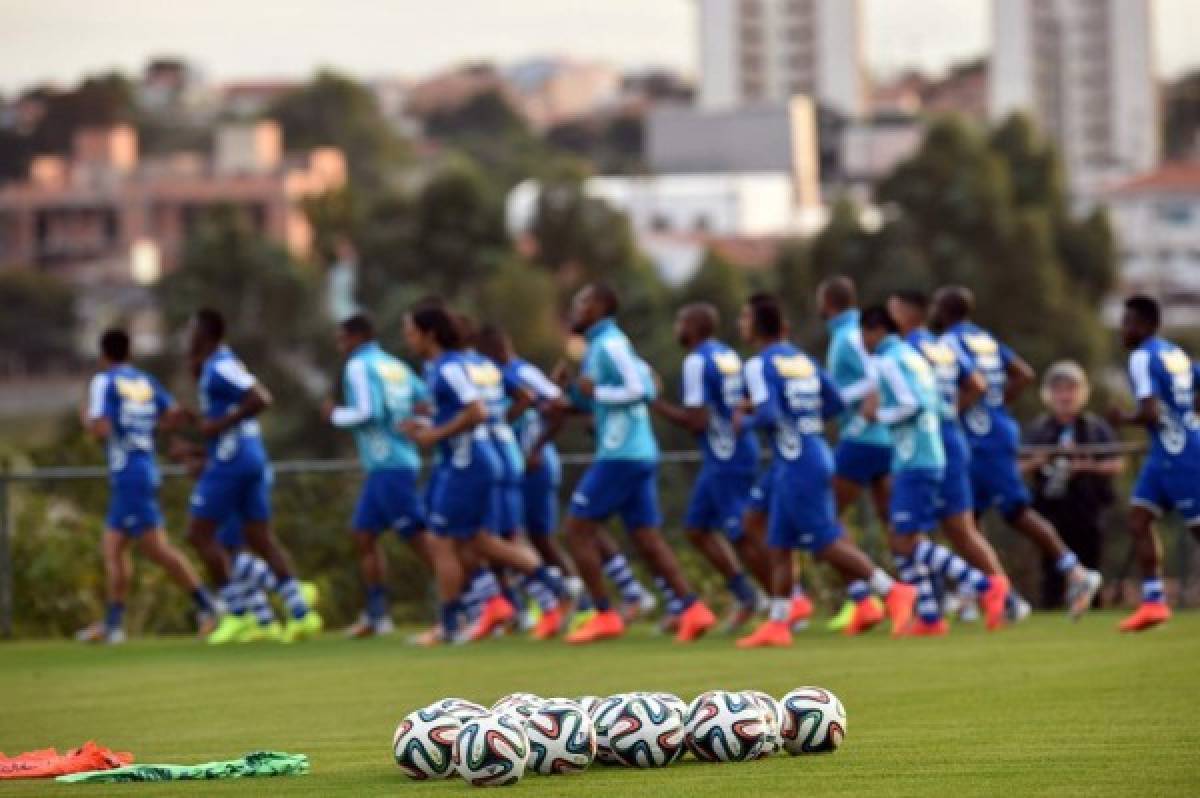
(37, 328)
(723, 285)
(99, 100)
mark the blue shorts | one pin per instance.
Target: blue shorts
(539, 492)
(760, 494)
(133, 510)
(460, 502)
(507, 516)
(1161, 489)
(221, 495)
(862, 463)
(913, 507)
(230, 535)
(996, 483)
(718, 500)
(954, 495)
(389, 500)
(803, 514)
(628, 488)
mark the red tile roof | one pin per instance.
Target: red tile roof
(1177, 177)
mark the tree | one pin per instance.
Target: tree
(724, 286)
(97, 101)
(37, 328)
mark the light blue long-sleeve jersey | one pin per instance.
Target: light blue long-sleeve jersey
(850, 367)
(910, 406)
(380, 392)
(623, 390)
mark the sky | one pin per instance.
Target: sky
(60, 40)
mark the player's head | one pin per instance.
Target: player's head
(207, 333)
(593, 303)
(695, 324)
(494, 343)
(908, 308)
(836, 295)
(1139, 321)
(114, 346)
(876, 324)
(430, 330)
(761, 321)
(951, 304)
(467, 329)
(354, 332)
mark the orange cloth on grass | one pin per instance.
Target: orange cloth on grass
(48, 762)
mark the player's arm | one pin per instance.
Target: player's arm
(473, 413)
(971, 384)
(358, 413)
(692, 415)
(1019, 373)
(631, 387)
(1146, 412)
(764, 405)
(904, 404)
(254, 401)
(94, 413)
(852, 359)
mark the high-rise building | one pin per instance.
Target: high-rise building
(766, 51)
(1085, 70)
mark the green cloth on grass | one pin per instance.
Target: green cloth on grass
(258, 763)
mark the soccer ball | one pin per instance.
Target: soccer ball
(773, 716)
(491, 750)
(727, 727)
(423, 744)
(520, 705)
(673, 701)
(589, 703)
(642, 732)
(460, 708)
(603, 711)
(561, 738)
(813, 722)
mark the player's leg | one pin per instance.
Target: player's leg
(1152, 496)
(782, 537)
(864, 579)
(712, 524)
(118, 573)
(447, 568)
(966, 539)
(372, 568)
(154, 545)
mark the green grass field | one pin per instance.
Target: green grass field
(1048, 708)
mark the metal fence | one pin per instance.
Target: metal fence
(321, 492)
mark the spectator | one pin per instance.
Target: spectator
(1071, 490)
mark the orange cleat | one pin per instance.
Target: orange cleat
(694, 622)
(549, 624)
(775, 634)
(900, 603)
(801, 612)
(496, 613)
(601, 626)
(920, 628)
(867, 615)
(1148, 615)
(992, 601)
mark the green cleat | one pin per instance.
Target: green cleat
(310, 593)
(258, 633)
(579, 619)
(840, 621)
(230, 629)
(298, 629)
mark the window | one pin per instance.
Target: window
(1175, 212)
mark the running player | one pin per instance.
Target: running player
(863, 455)
(617, 386)
(909, 404)
(124, 409)
(792, 397)
(381, 392)
(236, 481)
(712, 391)
(960, 387)
(993, 438)
(1164, 385)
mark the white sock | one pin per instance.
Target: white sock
(781, 608)
(880, 582)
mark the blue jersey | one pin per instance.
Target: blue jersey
(529, 426)
(451, 390)
(132, 402)
(850, 366)
(623, 390)
(950, 368)
(224, 383)
(497, 395)
(380, 393)
(792, 397)
(989, 425)
(1160, 370)
(712, 379)
(910, 406)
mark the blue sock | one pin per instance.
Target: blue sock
(293, 598)
(603, 605)
(584, 604)
(377, 602)
(539, 589)
(512, 596)
(450, 612)
(672, 602)
(911, 572)
(550, 578)
(939, 561)
(258, 604)
(618, 570)
(858, 590)
(1152, 590)
(742, 590)
(114, 615)
(203, 600)
(233, 596)
(686, 602)
(1067, 562)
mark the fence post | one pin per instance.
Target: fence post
(6, 571)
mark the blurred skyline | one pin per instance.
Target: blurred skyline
(61, 40)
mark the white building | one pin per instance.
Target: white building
(1156, 217)
(760, 51)
(1085, 70)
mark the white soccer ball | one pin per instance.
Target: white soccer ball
(642, 732)
(814, 721)
(562, 738)
(773, 715)
(726, 727)
(521, 705)
(423, 744)
(460, 708)
(589, 703)
(491, 750)
(601, 713)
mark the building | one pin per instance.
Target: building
(1085, 69)
(766, 51)
(555, 90)
(1156, 217)
(247, 99)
